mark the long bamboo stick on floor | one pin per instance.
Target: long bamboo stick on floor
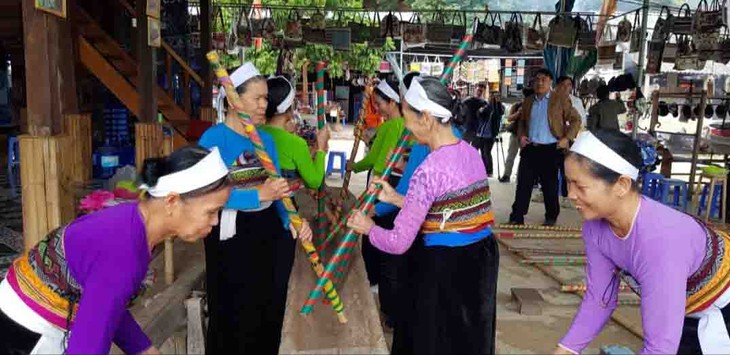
(349, 241)
(554, 260)
(582, 288)
(539, 228)
(537, 251)
(270, 168)
(512, 235)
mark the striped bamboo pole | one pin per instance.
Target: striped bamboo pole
(582, 288)
(270, 168)
(512, 235)
(458, 56)
(530, 251)
(342, 222)
(539, 228)
(629, 302)
(554, 260)
(321, 192)
(349, 241)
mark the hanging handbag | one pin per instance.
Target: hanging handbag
(636, 34)
(269, 26)
(315, 28)
(687, 57)
(438, 30)
(623, 30)
(492, 33)
(256, 19)
(586, 34)
(513, 31)
(359, 31)
(390, 26)
(232, 47)
(338, 35)
(414, 32)
(708, 18)
(293, 33)
(683, 23)
(437, 68)
(663, 25)
(669, 55)
(535, 36)
(459, 29)
(654, 53)
(562, 31)
(606, 47)
(243, 30)
(218, 38)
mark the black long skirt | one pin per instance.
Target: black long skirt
(247, 278)
(689, 343)
(16, 339)
(454, 300)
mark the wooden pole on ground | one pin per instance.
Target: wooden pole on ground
(169, 255)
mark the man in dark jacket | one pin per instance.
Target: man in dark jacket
(489, 118)
(470, 109)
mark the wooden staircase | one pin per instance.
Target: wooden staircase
(117, 70)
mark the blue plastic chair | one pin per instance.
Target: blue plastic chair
(680, 193)
(331, 160)
(13, 164)
(652, 185)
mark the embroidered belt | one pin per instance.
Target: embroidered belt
(712, 278)
(464, 210)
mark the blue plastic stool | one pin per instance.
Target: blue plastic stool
(714, 200)
(680, 193)
(652, 185)
(13, 164)
(331, 160)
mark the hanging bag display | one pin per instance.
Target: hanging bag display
(232, 47)
(390, 26)
(708, 18)
(459, 29)
(293, 33)
(493, 32)
(414, 32)
(636, 42)
(623, 30)
(438, 30)
(513, 31)
(663, 25)
(654, 53)
(683, 23)
(607, 47)
(218, 38)
(269, 30)
(535, 36)
(315, 28)
(586, 34)
(669, 55)
(687, 57)
(562, 31)
(338, 35)
(256, 19)
(243, 29)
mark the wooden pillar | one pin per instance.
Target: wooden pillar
(50, 80)
(206, 94)
(78, 128)
(169, 253)
(147, 80)
(48, 199)
(148, 142)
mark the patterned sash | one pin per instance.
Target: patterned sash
(710, 280)
(293, 178)
(465, 210)
(247, 171)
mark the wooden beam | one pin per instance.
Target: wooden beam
(51, 83)
(146, 81)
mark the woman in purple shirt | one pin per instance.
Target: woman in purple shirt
(679, 266)
(69, 294)
(451, 301)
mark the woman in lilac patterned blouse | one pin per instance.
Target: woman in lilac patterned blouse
(679, 266)
(69, 294)
(452, 294)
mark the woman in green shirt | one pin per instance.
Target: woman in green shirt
(387, 135)
(295, 158)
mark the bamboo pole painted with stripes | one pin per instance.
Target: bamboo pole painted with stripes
(539, 228)
(533, 251)
(344, 249)
(554, 260)
(321, 229)
(512, 235)
(583, 287)
(270, 168)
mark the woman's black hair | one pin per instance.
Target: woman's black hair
(393, 85)
(279, 89)
(439, 93)
(179, 160)
(408, 78)
(620, 143)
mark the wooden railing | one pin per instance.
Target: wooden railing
(186, 72)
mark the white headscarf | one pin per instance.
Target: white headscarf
(238, 78)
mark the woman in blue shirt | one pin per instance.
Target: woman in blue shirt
(250, 255)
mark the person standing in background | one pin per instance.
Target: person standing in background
(514, 141)
(604, 113)
(469, 112)
(566, 85)
(546, 126)
(489, 118)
